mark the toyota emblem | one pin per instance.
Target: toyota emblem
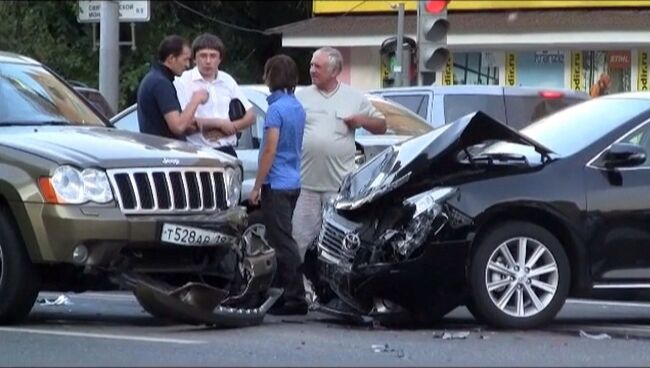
(351, 242)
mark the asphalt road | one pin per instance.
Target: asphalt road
(112, 330)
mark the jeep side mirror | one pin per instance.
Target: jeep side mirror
(624, 155)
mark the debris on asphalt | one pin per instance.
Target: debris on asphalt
(602, 336)
(61, 300)
(459, 335)
(380, 348)
(385, 348)
(484, 337)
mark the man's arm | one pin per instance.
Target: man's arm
(372, 124)
(226, 126)
(182, 123)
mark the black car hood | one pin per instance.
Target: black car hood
(410, 158)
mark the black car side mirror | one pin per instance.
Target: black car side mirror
(624, 155)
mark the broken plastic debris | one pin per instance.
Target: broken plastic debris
(380, 348)
(460, 335)
(602, 336)
(61, 300)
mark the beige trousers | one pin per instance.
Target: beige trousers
(307, 217)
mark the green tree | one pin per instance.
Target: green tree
(49, 32)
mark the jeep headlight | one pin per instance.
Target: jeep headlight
(71, 186)
(232, 180)
(427, 207)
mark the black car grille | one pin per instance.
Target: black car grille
(164, 190)
(330, 242)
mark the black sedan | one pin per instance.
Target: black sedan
(508, 223)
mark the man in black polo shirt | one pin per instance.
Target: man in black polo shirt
(159, 111)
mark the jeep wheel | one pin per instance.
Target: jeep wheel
(19, 280)
(519, 276)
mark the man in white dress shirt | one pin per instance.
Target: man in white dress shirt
(216, 129)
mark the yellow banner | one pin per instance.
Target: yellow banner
(448, 74)
(576, 71)
(511, 69)
(332, 6)
(642, 83)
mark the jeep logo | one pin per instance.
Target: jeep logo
(171, 161)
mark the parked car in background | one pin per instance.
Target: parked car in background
(558, 209)
(517, 107)
(85, 206)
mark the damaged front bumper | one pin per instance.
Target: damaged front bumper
(202, 303)
(378, 276)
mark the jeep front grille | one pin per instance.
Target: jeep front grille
(168, 190)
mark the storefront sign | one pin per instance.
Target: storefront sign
(549, 57)
(511, 69)
(618, 59)
(360, 6)
(448, 74)
(642, 83)
(576, 71)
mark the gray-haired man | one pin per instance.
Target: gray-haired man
(334, 111)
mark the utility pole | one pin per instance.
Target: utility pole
(109, 52)
(399, 47)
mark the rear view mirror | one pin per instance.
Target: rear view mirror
(624, 155)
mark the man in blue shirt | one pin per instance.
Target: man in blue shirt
(278, 179)
(159, 111)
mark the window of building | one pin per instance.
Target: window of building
(475, 68)
(540, 69)
(616, 63)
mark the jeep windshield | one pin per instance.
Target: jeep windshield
(31, 95)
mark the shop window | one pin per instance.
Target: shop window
(617, 64)
(475, 68)
(540, 69)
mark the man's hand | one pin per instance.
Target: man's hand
(192, 128)
(354, 121)
(200, 95)
(227, 127)
(255, 195)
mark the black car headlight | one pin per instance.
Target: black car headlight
(427, 207)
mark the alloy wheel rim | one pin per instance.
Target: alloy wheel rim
(521, 277)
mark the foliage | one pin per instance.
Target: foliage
(49, 32)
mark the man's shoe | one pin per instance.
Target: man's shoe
(289, 309)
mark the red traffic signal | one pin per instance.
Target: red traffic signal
(435, 6)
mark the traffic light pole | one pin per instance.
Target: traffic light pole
(399, 47)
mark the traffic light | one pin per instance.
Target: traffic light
(432, 35)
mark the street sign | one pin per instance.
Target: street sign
(130, 11)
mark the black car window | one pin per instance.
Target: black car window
(641, 137)
(249, 138)
(457, 106)
(29, 94)
(577, 127)
(523, 110)
(418, 103)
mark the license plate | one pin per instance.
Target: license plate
(192, 236)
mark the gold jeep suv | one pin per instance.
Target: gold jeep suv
(85, 206)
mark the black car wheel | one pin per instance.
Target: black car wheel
(19, 281)
(519, 276)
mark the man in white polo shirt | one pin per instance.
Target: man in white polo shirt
(334, 111)
(216, 129)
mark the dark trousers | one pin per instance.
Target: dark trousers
(227, 149)
(277, 210)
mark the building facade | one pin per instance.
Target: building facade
(555, 44)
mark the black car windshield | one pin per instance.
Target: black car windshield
(30, 95)
(574, 128)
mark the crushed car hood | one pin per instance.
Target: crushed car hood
(397, 164)
(107, 147)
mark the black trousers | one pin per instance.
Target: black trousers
(227, 149)
(277, 210)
